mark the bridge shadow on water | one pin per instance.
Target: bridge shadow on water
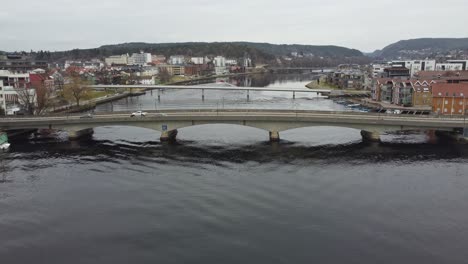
(184, 151)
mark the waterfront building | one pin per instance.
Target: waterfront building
(193, 70)
(219, 61)
(450, 98)
(172, 69)
(247, 62)
(402, 93)
(422, 92)
(347, 79)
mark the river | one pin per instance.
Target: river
(224, 194)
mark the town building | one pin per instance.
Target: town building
(415, 66)
(449, 67)
(450, 98)
(231, 62)
(140, 59)
(11, 83)
(177, 60)
(18, 63)
(117, 60)
(446, 76)
(378, 70)
(464, 63)
(158, 59)
(396, 72)
(197, 60)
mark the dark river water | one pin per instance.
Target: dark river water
(224, 194)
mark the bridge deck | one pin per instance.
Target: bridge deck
(204, 87)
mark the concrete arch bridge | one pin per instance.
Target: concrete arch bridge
(272, 121)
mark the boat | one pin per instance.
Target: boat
(353, 105)
(4, 145)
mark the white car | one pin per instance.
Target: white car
(138, 113)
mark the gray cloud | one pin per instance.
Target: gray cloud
(365, 24)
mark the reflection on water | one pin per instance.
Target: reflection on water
(224, 194)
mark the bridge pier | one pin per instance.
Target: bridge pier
(274, 136)
(370, 136)
(168, 136)
(452, 136)
(78, 134)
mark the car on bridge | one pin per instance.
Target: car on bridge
(138, 114)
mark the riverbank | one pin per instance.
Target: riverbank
(91, 104)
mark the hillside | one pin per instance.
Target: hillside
(423, 48)
(259, 52)
(321, 51)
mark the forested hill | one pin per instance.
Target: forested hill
(259, 52)
(321, 51)
(423, 48)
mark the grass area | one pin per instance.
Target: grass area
(322, 85)
(98, 94)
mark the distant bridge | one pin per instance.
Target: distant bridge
(272, 121)
(204, 88)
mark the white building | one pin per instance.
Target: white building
(416, 65)
(140, 59)
(247, 62)
(197, 60)
(231, 62)
(10, 83)
(449, 67)
(150, 71)
(219, 61)
(177, 60)
(378, 70)
(117, 59)
(463, 62)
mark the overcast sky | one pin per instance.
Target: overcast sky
(365, 24)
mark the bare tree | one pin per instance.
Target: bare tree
(164, 76)
(27, 99)
(44, 92)
(77, 90)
